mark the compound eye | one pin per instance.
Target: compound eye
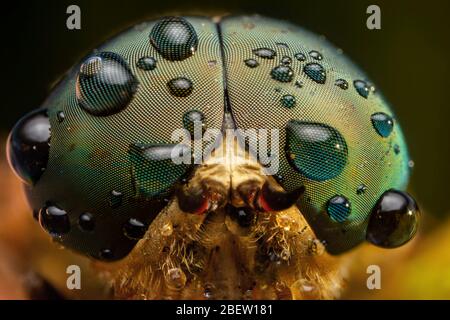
(394, 220)
(28, 146)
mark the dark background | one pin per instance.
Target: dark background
(408, 60)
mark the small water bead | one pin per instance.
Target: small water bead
(174, 38)
(315, 55)
(86, 222)
(394, 220)
(176, 279)
(115, 199)
(134, 229)
(286, 60)
(282, 45)
(300, 56)
(146, 63)
(383, 123)
(105, 84)
(315, 72)
(251, 63)
(265, 53)
(396, 149)
(411, 164)
(180, 87)
(60, 116)
(194, 122)
(338, 208)
(316, 150)
(54, 220)
(362, 88)
(288, 101)
(361, 189)
(341, 83)
(28, 146)
(282, 73)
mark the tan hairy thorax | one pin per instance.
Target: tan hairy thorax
(211, 256)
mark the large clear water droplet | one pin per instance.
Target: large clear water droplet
(28, 146)
(105, 84)
(174, 38)
(394, 220)
(382, 123)
(338, 208)
(54, 220)
(316, 150)
(315, 72)
(155, 170)
(282, 73)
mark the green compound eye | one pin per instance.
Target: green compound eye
(105, 171)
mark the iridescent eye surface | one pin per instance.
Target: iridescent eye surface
(28, 146)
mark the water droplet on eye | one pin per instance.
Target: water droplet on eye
(28, 146)
(316, 150)
(282, 73)
(396, 149)
(106, 254)
(86, 221)
(167, 229)
(394, 220)
(265, 53)
(54, 220)
(193, 120)
(286, 60)
(146, 63)
(251, 63)
(105, 84)
(341, 83)
(60, 116)
(300, 56)
(134, 229)
(315, 72)
(156, 162)
(382, 123)
(180, 87)
(361, 189)
(115, 199)
(362, 88)
(315, 55)
(176, 279)
(411, 164)
(174, 38)
(288, 101)
(338, 208)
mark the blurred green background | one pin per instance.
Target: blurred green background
(407, 59)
